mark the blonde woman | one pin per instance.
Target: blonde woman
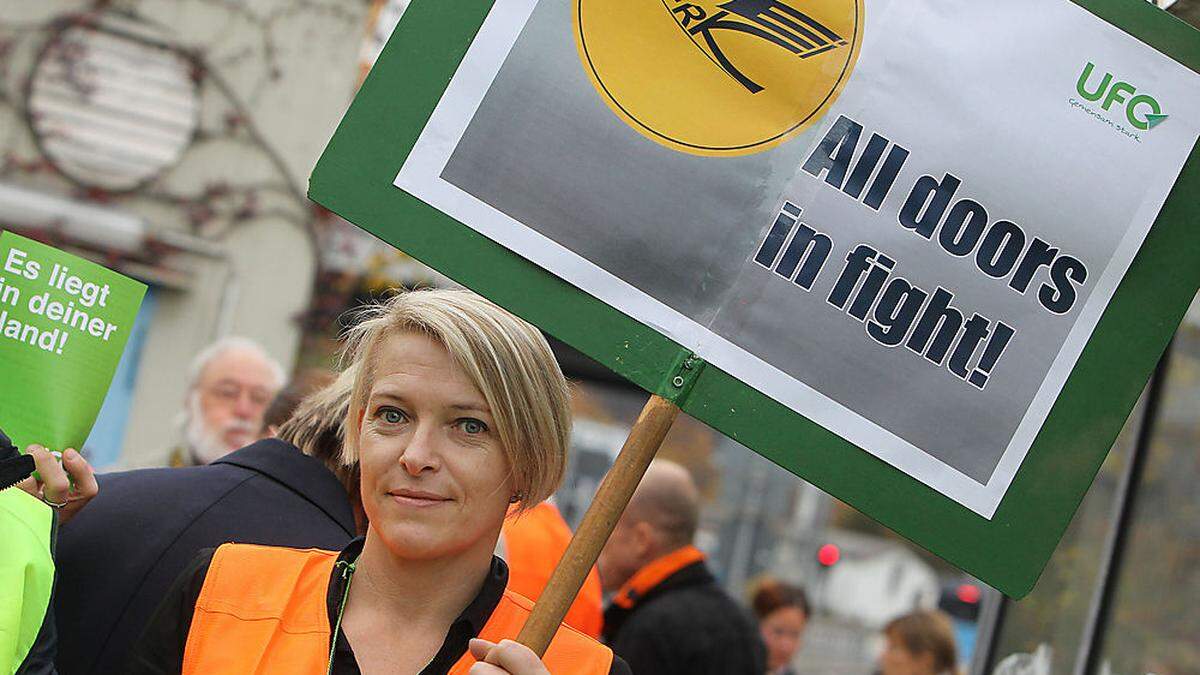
(458, 411)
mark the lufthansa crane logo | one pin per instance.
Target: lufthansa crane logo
(723, 77)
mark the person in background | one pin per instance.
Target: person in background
(120, 556)
(667, 614)
(230, 384)
(284, 405)
(31, 511)
(532, 543)
(458, 411)
(919, 643)
(782, 612)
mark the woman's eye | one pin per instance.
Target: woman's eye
(472, 426)
(391, 416)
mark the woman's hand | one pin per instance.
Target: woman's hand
(71, 483)
(506, 658)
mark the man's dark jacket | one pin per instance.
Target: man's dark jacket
(685, 624)
(118, 557)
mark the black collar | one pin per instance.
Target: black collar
(304, 475)
(468, 624)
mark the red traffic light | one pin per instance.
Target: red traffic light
(968, 593)
(828, 555)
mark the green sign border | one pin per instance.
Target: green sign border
(354, 179)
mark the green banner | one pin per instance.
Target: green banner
(63, 325)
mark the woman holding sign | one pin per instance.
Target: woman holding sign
(458, 411)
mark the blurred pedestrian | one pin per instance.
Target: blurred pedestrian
(782, 611)
(118, 559)
(230, 384)
(281, 409)
(919, 643)
(286, 400)
(458, 411)
(667, 614)
(532, 543)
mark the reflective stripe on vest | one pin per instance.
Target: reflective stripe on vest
(263, 610)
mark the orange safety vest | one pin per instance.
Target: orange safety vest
(534, 542)
(263, 610)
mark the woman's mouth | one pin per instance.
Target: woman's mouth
(417, 498)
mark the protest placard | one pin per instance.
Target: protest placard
(63, 325)
(920, 254)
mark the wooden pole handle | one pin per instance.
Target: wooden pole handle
(611, 498)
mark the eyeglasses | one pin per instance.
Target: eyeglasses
(231, 392)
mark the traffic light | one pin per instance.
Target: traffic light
(828, 555)
(962, 600)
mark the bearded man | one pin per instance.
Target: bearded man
(230, 385)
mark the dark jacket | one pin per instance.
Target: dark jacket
(120, 555)
(685, 624)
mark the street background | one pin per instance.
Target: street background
(171, 140)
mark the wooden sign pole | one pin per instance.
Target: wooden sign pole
(598, 523)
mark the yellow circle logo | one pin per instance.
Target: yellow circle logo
(719, 77)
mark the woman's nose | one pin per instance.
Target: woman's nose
(421, 453)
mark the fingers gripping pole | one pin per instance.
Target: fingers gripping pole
(598, 523)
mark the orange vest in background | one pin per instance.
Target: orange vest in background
(534, 542)
(263, 610)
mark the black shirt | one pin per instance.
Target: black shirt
(160, 649)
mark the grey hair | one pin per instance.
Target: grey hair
(225, 344)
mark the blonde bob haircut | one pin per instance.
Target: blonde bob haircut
(507, 359)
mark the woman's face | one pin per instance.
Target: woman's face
(898, 660)
(781, 632)
(435, 480)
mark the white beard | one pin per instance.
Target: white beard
(204, 445)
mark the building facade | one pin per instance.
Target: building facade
(171, 140)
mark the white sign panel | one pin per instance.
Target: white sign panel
(902, 220)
